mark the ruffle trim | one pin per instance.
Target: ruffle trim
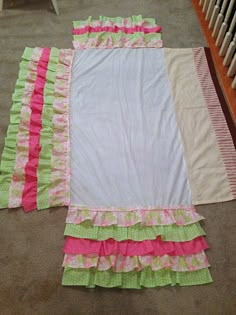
(59, 193)
(29, 196)
(116, 29)
(117, 40)
(27, 79)
(129, 263)
(135, 232)
(131, 216)
(131, 32)
(104, 21)
(46, 134)
(134, 280)
(54, 173)
(155, 247)
(16, 141)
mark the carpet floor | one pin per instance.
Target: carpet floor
(31, 244)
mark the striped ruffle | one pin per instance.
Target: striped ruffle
(133, 255)
(116, 32)
(35, 160)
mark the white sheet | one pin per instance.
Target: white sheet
(125, 144)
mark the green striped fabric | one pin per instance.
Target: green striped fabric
(136, 232)
(44, 168)
(134, 280)
(9, 151)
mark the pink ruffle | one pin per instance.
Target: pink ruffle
(116, 29)
(155, 247)
(131, 216)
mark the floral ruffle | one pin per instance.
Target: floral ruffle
(117, 40)
(128, 217)
(135, 232)
(59, 192)
(146, 278)
(117, 32)
(156, 247)
(119, 263)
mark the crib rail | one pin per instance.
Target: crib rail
(221, 18)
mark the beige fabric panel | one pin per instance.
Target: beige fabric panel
(206, 171)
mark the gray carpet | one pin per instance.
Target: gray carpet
(31, 244)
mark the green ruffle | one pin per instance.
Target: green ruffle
(134, 280)
(134, 19)
(136, 232)
(9, 151)
(46, 134)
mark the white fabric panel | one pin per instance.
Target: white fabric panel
(125, 145)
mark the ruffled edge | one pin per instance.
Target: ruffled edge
(156, 247)
(11, 187)
(27, 77)
(135, 232)
(131, 216)
(106, 32)
(46, 135)
(59, 193)
(145, 278)
(116, 29)
(29, 195)
(119, 263)
(117, 40)
(132, 21)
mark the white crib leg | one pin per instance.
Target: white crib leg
(55, 6)
(1, 5)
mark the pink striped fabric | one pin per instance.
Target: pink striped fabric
(115, 29)
(29, 195)
(155, 247)
(219, 123)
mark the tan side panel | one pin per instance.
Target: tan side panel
(206, 169)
